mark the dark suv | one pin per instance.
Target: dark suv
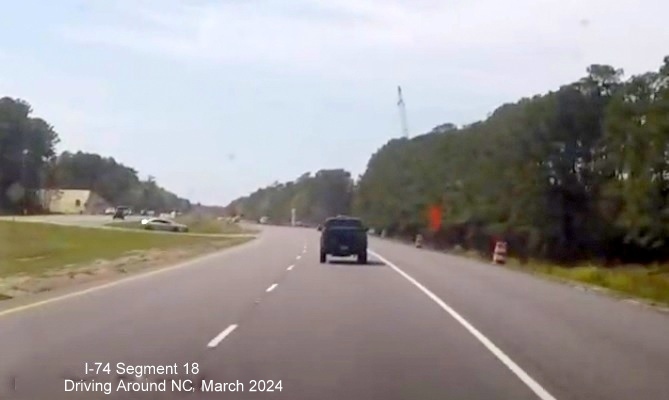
(343, 237)
(119, 214)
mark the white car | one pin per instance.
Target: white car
(162, 224)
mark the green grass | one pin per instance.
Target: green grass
(33, 248)
(196, 224)
(651, 283)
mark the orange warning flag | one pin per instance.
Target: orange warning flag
(434, 218)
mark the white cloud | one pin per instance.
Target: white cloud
(242, 33)
(536, 43)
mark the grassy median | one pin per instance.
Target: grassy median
(195, 223)
(33, 248)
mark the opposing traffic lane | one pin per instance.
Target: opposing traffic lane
(70, 220)
(578, 345)
(160, 319)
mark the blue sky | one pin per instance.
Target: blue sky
(217, 98)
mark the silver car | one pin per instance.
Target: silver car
(161, 224)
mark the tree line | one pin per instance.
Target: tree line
(29, 162)
(314, 198)
(581, 172)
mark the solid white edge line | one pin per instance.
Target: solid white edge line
(219, 338)
(290, 267)
(501, 356)
(269, 289)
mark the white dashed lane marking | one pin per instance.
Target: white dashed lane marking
(219, 338)
(269, 289)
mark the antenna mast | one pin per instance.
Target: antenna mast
(403, 113)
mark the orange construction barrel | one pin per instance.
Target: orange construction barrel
(499, 255)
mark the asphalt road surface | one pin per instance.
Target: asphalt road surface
(413, 324)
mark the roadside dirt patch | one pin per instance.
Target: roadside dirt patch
(101, 269)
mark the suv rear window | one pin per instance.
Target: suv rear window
(343, 223)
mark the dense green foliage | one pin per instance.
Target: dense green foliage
(328, 192)
(28, 160)
(581, 172)
(26, 146)
(113, 181)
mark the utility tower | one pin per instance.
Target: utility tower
(403, 112)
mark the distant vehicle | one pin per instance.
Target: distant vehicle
(124, 209)
(161, 224)
(343, 236)
(150, 213)
(264, 220)
(110, 211)
(119, 214)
